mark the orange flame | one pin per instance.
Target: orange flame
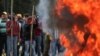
(90, 46)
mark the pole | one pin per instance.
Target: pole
(32, 30)
(11, 52)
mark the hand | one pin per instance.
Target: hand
(8, 29)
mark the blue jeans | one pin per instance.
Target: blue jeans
(53, 47)
(38, 45)
(27, 48)
(12, 45)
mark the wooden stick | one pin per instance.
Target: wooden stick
(31, 37)
(11, 52)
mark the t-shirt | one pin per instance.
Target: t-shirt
(3, 25)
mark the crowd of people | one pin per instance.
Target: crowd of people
(23, 36)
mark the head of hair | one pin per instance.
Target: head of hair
(26, 15)
(4, 13)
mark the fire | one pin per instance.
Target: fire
(84, 18)
(63, 37)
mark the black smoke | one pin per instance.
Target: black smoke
(66, 21)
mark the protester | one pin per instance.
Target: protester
(13, 30)
(37, 34)
(19, 19)
(22, 35)
(3, 20)
(28, 39)
(47, 45)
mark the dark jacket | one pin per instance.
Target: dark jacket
(27, 29)
(27, 33)
(37, 31)
(22, 22)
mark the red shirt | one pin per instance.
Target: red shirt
(15, 27)
(37, 31)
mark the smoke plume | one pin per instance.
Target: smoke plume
(43, 13)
